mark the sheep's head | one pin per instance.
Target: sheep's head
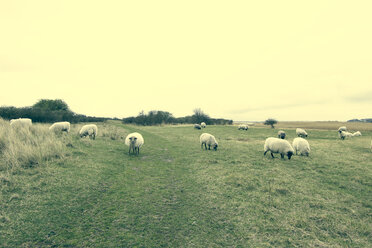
(215, 147)
(133, 140)
(289, 154)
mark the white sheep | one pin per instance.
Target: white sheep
(90, 130)
(301, 132)
(276, 145)
(134, 141)
(300, 145)
(357, 133)
(197, 126)
(203, 125)
(25, 122)
(63, 126)
(209, 140)
(344, 134)
(343, 128)
(243, 127)
(281, 134)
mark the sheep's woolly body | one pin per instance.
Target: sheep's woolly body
(134, 141)
(343, 128)
(281, 134)
(344, 135)
(276, 145)
(203, 125)
(26, 122)
(301, 133)
(90, 130)
(357, 133)
(209, 140)
(301, 146)
(63, 126)
(243, 127)
(197, 126)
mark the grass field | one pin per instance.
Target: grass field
(176, 195)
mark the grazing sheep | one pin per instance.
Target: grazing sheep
(276, 145)
(344, 135)
(357, 133)
(209, 140)
(300, 145)
(203, 125)
(243, 127)
(197, 126)
(134, 141)
(343, 128)
(90, 130)
(63, 126)
(301, 133)
(25, 122)
(281, 134)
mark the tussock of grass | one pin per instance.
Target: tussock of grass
(29, 146)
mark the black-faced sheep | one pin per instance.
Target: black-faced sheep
(134, 141)
(276, 145)
(209, 140)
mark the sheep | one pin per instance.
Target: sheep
(63, 126)
(301, 145)
(203, 125)
(134, 141)
(243, 127)
(344, 135)
(281, 134)
(197, 126)
(358, 133)
(276, 145)
(343, 128)
(209, 140)
(301, 133)
(90, 130)
(25, 122)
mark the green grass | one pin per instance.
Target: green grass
(176, 195)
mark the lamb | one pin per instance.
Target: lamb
(281, 134)
(134, 141)
(343, 128)
(243, 127)
(301, 133)
(301, 145)
(276, 145)
(63, 126)
(209, 140)
(358, 133)
(90, 130)
(25, 122)
(344, 134)
(197, 126)
(203, 125)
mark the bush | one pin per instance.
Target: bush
(271, 122)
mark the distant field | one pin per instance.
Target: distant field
(176, 195)
(326, 125)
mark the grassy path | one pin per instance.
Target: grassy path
(176, 195)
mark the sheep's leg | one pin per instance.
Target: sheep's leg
(201, 146)
(282, 155)
(137, 150)
(129, 149)
(272, 155)
(265, 152)
(209, 147)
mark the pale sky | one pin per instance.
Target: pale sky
(240, 60)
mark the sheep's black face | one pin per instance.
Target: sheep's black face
(133, 139)
(215, 147)
(289, 154)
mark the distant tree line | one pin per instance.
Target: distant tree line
(157, 117)
(46, 110)
(369, 120)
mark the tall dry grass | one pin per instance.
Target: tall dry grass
(29, 146)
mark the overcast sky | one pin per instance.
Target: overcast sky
(242, 60)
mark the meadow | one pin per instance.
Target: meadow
(91, 193)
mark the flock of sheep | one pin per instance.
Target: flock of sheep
(272, 144)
